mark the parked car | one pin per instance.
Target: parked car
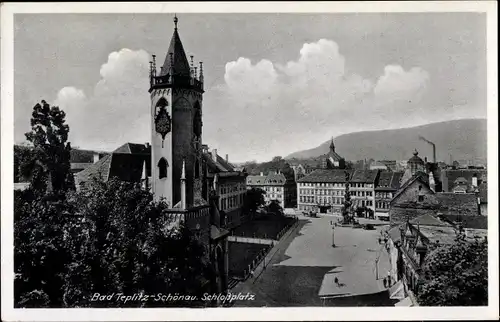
(369, 227)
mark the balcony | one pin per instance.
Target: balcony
(169, 81)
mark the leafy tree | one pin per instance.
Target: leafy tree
(254, 199)
(49, 168)
(40, 253)
(109, 238)
(455, 275)
(122, 245)
(275, 207)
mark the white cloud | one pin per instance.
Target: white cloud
(117, 110)
(280, 108)
(263, 109)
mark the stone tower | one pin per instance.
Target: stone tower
(176, 126)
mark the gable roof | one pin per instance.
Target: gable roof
(326, 175)
(217, 166)
(98, 170)
(125, 163)
(133, 148)
(418, 176)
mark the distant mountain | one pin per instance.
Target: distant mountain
(462, 139)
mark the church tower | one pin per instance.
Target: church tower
(176, 94)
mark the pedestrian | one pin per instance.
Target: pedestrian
(336, 280)
(385, 282)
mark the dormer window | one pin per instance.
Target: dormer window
(162, 167)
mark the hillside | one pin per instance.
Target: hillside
(462, 139)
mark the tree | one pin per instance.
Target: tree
(455, 275)
(254, 199)
(50, 167)
(109, 238)
(275, 207)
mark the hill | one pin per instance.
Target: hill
(462, 139)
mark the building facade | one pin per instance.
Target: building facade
(229, 184)
(322, 191)
(389, 182)
(362, 188)
(277, 187)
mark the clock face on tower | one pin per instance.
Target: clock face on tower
(163, 122)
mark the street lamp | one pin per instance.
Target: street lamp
(333, 233)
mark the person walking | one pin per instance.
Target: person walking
(388, 278)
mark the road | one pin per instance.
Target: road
(306, 263)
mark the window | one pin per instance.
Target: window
(420, 198)
(419, 187)
(162, 165)
(196, 169)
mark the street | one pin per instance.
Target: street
(305, 265)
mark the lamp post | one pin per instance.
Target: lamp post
(333, 233)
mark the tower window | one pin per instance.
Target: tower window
(162, 165)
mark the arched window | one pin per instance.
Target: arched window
(162, 165)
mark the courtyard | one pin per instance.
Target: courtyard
(304, 267)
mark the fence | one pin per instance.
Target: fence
(251, 240)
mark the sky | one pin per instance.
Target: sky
(274, 83)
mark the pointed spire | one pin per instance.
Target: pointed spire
(332, 146)
(176, 59)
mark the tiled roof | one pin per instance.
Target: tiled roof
(448, 177)
(326, 175)
(474, 222)
(275, 179)
(429, 220)
(459, 203)
(125, 163)
(98, 170)
(256, 180)
(133, 148)
(129, 167)
(220, 166)
(365, 176)
(389, 180)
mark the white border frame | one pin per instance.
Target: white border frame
(267, 314)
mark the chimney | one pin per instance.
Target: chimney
(474, 181)
(227, 158)
(432, 182)
(204, 148)
(214, 155)
(96, 157)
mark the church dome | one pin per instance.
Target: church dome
(415, 159)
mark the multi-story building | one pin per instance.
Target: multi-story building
(362, 187)
(277, 187)
(388, 183)
(323, 190)
(230, 185)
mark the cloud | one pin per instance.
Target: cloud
(280, 108)
(117, 111)
(261, 110)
